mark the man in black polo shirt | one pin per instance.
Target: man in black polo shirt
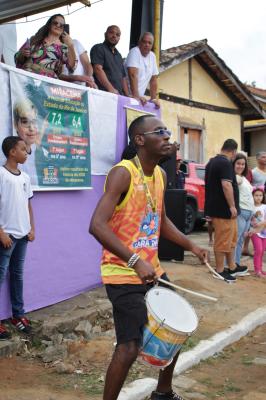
(107, 62)
(222, 206)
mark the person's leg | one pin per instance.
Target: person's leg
(234, 268)
(165, 377)
(123, 357)
(243, 223)
(222, 241)
(5, 255)
(225, 238)
(260, 255)
(219, 260)
(210, 232)
(257, 243)
(130, 316)
(16, 277)
(230, 259)
(245, 250)
(219, 254)
(240, 230)
(264, 249)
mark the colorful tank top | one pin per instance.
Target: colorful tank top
(136, 225)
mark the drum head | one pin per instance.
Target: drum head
(169, 307)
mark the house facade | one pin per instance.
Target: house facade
(203, 102)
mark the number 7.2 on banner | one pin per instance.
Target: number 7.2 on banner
(59, 118)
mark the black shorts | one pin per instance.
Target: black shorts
(129, 310)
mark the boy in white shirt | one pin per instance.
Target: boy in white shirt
(16, 228)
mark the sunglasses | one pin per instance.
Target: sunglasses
(159, 132)
(59, 24)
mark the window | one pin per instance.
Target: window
(184, 168)
(200, 173)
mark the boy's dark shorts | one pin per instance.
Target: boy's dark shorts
(129, 309)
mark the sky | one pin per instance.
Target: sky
(236, 30)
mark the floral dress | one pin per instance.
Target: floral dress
(45, 59)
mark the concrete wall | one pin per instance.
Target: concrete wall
(174, 81)
(216, 126)
(206, 90)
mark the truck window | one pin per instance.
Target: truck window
(184, 168)
(200, 173)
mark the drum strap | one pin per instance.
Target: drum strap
(153, 333)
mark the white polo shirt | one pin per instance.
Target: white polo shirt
(15, 192)
(146, 66)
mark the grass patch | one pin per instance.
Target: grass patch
(190, 343)
(228, 387)
(222, 355)
(206, 381)
(91, 384)
(246, 360)
(37, 343)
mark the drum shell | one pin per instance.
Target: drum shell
(161, 342)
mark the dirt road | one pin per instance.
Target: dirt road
(237, 373)
(231, 375)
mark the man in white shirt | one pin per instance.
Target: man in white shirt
(83, 72)
(142, 69)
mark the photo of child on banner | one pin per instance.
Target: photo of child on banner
(53, 121)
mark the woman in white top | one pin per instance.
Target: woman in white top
(246, 202)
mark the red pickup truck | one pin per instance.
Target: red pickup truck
(195, 187)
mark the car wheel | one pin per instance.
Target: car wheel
(190, 218)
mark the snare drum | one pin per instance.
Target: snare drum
(171, 320)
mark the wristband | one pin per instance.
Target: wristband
(133, 260)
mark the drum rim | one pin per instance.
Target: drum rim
(158, 319)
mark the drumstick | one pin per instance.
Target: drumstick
(215, 273)
(186, 290)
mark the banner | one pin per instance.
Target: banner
(53, 121)
(5, 110)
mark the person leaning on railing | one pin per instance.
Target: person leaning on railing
(48, 50)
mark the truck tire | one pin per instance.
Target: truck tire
(190, 218)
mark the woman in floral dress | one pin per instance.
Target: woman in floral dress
(48, 50)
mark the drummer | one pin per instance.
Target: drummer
(127, 221)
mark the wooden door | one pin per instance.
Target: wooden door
(190, 144)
